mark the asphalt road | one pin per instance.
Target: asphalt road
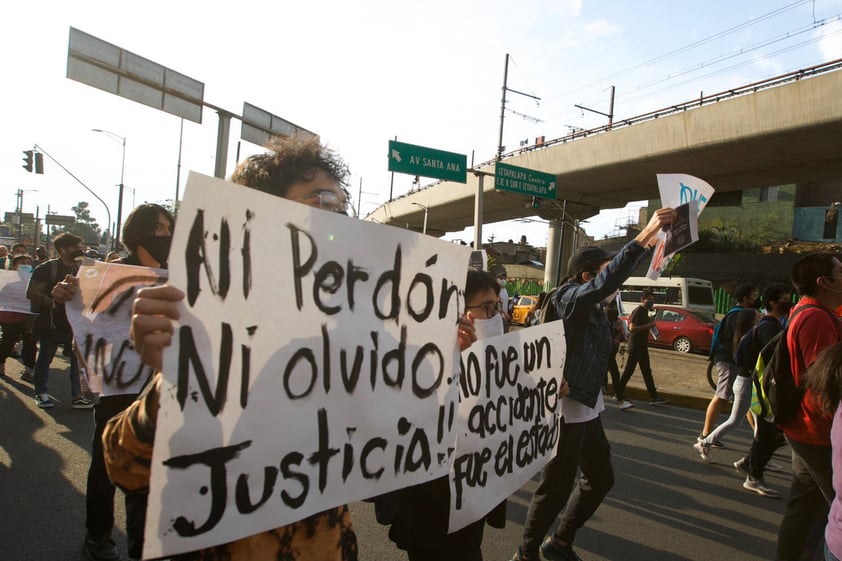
(666, 505)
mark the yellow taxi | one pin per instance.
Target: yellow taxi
(520, 311)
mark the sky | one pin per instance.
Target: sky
(360, 73)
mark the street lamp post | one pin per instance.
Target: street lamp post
(426, 210)
(122, 139)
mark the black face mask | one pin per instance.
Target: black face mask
(158, 247)
(77, 254)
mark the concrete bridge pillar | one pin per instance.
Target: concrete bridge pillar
(552, 259)
(560, 240)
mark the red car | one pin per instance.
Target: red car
(683, 330)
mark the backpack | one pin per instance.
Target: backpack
(715, 339)
(745, 355)
(548, 310)
(775, 377)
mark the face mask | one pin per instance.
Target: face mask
(77, 254)
(502, 282)
(649, 305)
(158, 247)
(25, 268)
(486, 328)
(784, 307)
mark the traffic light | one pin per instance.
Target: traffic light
(27, 160)
(39, 162)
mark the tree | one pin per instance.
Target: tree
(86, 226)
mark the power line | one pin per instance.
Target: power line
(746, 50)
(686, 48)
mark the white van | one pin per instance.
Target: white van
(693, 294)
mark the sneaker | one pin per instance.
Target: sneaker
(774, 466)
(703, 450)
(100, 549)
(714, 444)
(625, 405)
(553, 551)
(45, 401)
(28, 375)
(82, 402)
(658, 401)
(741, 466)
(759, 486)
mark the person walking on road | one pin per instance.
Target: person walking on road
(818, 279)
(51, 325)
(742, 389)
(767, 437)
(147, 233)
(722, 355)
(640, 324)
(596, 278)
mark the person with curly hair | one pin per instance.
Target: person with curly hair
(301, 170)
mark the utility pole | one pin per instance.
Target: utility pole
(610, 113)
(178, 170)
(506, 88)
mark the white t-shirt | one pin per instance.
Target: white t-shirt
(504, 299)
(576, 412)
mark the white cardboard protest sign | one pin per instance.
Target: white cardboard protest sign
(13, 291)
(508, 418)
(676, 189)
(314, 364)
(100, 316)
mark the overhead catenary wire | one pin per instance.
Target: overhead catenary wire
(645, 90)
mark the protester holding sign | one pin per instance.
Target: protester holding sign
(51, 326)
(296, 169)
(595, 280)
(147, 234)
(420, 523)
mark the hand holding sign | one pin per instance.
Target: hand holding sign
(153, 312)
(676, 189)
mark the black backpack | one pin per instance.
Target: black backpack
(548, 309)
(778, 382)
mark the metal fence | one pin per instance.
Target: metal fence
(521, 287)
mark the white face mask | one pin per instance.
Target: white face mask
(486, 328)
(502, 282)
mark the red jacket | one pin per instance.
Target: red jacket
(811, 332)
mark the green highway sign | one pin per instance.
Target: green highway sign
(427, 162)
(524, 181)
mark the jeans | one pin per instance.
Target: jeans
(99, 499)
(49, 344)
(580, 445)
(762, 447)
(742, 403)
(613, 369)
(638, 354)
(810, 496)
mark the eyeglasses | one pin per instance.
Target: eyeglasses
(328, 200)
(491, 308)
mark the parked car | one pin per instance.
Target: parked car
(683, 330)
(521, 309)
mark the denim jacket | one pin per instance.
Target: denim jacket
(586, 326)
